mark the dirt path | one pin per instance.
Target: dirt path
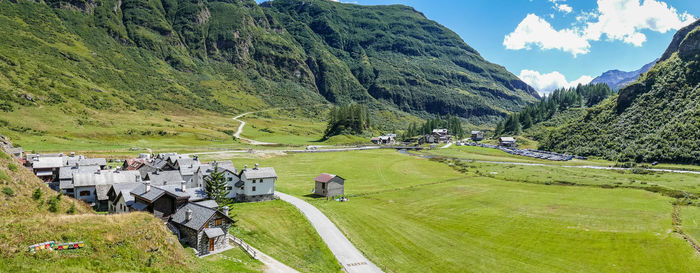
(240, 129)
(352, 260)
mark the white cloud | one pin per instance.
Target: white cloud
(534, 30)
(564, 8)
(548, 82)
(617, 20)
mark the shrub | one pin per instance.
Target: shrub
(53, 204)
(38, 193)
(8, 191)
(71, 210)
(12, 167)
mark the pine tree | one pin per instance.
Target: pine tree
(216, 186)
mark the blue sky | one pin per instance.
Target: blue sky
(554, 43)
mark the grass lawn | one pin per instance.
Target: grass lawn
(233, 260)
(690, 221)
(418, 215)
(280, 230)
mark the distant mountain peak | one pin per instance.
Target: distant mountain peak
(617, 79)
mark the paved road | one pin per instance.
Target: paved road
(447, 145)
(240, 130)
(349, 257)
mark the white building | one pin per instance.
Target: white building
(256, 184)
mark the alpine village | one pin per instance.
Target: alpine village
(360, 136)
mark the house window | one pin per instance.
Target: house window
(85, 193)
(219, 221)
(323, 186)
(253, 188)
(230, 179)
(229, 188)
(253, 180)
(206, 225)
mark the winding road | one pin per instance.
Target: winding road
(352, 260)
(240, 129)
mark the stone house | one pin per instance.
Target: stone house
(203, 228)
(92, 188)
(329, 185)
(506, 141)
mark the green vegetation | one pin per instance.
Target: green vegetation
(409, 214)
(234, 260)
(215, 186)
(452, 124)
(8, 191)
(653, 119)
(558, 101)
(280, 230)
(347, 120)
(114, 75)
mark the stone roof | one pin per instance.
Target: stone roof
(82, 161)
(164, 178)
(507, 139)
(159, 163)
(104, 178)
(123, 187)
(208, 203)
(267, 172)
(213, 232)
(200, 215)
(150, 196)
(68, 171)
(139, 206)
(47, 162)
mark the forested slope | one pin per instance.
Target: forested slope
(655, 118)
(231, 56)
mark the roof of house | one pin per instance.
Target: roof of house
(149, 196)
(213, 232)
(104, 178)
(82, 161)
(138, 206)
(507, 139)
(47, 162)
(325, 177)
(16, 150)
(123, 187)
(255, 173)
(68, 171)
(159, 163)
(164, 178)
(188, 166)
(135, 163)
(476, 132)
(174, 190)
(208, 204)
(200, 215)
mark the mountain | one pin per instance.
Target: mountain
(231, 56)
(617, 79)
(656, 118)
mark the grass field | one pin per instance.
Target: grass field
(418, 215)
(690, 221)
(280, 230)
(234, 260)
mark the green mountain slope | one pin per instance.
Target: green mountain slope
(655, 118)
(232, 56)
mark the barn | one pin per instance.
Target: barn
(329, 185)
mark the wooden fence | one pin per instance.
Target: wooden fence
(246, 247)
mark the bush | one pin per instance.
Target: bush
(71, 210)
(12, 167)
(38, 193)
(53, 204)
(8, 191)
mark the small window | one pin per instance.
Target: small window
(85, 193)
(230, 179)
(206, 225)
(229, 188)
(253, 180)
(253, 188)
(219, 222)
(323, 186)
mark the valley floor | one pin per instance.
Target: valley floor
(409, 214)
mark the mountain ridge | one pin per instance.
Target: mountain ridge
(617, 79)
(231, 56)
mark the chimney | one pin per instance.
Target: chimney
(72, 154)
(138, 178)
(256, 166)
(245, 167)
(183, 186)
(225, 210)
(148, 185)
(188, 215)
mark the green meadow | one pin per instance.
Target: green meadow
(410, 214)
(280, 230)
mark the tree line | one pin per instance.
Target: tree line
(451, 123)
(559, 100)
(350, 119)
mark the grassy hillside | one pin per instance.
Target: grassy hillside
(135, 242)
(280, 230)
(409, 214)
(656, 118)
(111, 63)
